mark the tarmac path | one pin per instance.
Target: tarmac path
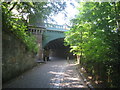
(57, 73)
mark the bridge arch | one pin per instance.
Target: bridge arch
(57, 48)
(55, 44)
(50, 35)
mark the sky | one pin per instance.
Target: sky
(61, 20)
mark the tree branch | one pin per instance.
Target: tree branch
(13, 6)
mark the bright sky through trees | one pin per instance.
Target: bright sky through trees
(60, 18)
(71, 12)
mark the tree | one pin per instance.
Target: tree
(95, 34)
(43, 11)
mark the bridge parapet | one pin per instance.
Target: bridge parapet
(35, 30)
(63, 27)
(39, 28)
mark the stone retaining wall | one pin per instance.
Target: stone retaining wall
(15, 57)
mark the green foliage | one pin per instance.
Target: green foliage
(95, 36)
(18, 28)
(44, 10)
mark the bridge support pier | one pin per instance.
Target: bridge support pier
(40, 52)
(37, 32)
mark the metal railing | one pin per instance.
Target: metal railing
(48, 25)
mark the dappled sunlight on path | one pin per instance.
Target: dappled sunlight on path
(67, 77)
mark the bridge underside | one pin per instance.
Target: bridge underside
(57, 49)
(50, 35)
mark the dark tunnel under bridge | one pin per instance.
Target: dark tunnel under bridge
(58, 49)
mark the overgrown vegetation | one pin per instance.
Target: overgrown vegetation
(95, 36)
(15, 17)
(17, 25)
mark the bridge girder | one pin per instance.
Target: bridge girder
(50, 35)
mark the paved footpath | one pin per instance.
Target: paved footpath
(56, 73)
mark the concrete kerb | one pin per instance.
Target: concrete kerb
(85, 80)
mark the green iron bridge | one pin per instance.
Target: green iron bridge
(48, 32)
(48, 35)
